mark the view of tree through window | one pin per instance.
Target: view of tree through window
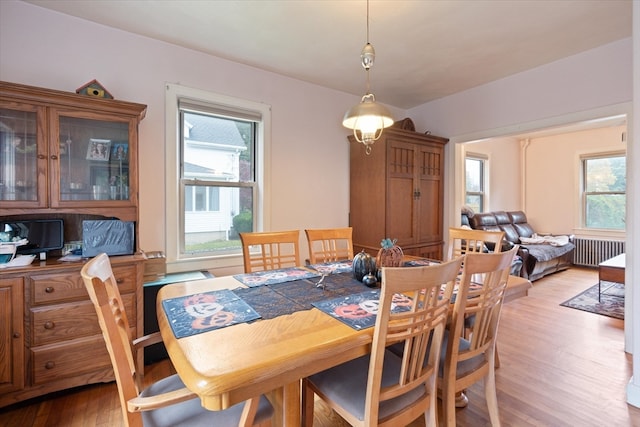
(605, 187)
(474, 183)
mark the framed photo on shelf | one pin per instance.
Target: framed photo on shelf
(99, 149)
(120, 151)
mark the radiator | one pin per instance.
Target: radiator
(591, 252)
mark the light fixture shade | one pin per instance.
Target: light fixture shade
(367, 119)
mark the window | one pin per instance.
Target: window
(604, 191)
(215, 178)
(474, 169)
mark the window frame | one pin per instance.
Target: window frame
(583, 190)
(174, 203)
(484, 161)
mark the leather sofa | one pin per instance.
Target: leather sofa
(538, 259)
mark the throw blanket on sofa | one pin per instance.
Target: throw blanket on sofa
(549, 240)
(547, 252)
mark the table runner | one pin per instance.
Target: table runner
(286, 298)
(260, 278)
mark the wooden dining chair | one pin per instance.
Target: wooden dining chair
(166, 402)
(330, 244)
(383, 388)
(467, 361)
(466, 240)
(270, 250)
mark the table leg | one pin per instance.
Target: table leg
(291, 404)
(276, 399)
(599, 289)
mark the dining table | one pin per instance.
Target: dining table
(228, 365)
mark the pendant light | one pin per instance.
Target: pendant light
(368, 118)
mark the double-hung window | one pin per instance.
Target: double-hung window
(474, 170)
(215, 178)
(604, 191)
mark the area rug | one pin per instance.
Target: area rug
(611, 300)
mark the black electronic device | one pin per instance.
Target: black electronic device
(43, 235)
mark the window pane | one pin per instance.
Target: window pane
(217, 150)
(213, 146)
(214, 198)
(606, 174)
(605, 192)
(473, 170)
(606, 211)
(188, 199)
(474, 202)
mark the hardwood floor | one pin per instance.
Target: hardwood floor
(559, 367)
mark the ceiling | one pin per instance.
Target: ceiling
(425, 50)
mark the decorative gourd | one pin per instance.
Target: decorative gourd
(390, 254)
(363, 264)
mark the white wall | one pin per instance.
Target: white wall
(552, 167)
(504, 181)
(44, 48)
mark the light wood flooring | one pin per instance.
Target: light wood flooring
(559, 367)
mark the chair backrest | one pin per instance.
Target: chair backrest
(103, 290)
(270, 250)
(419, 331)
(330, 244)
(465, 240)
(484, 303)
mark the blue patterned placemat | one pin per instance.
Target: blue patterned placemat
(333, 267)
(359, 310)
(270, 277)
(194, 314)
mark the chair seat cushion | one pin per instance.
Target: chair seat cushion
(346, 385)
(191, 413)
(466, 366)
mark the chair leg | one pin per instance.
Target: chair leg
(431, 415)
(492, 400)
(449, 406)
(491, 396)
(307, 404)
(249, 412)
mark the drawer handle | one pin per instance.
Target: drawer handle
(119, 281)
(49, 289)
(49, 325)
(16, 334)
(49, 365)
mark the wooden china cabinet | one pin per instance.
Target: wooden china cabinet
(397, 192)
(74, 157)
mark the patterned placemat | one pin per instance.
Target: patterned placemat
(359, 310)
(269, 277)
(194, 314)
(333, 267)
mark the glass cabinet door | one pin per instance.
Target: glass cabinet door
(93, 159)
(23, 159)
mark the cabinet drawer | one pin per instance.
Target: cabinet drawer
(69, 286)
(57, 361)
(61, 322)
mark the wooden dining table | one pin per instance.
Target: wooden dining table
(229, 365)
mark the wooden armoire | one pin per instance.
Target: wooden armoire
(397, 192)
